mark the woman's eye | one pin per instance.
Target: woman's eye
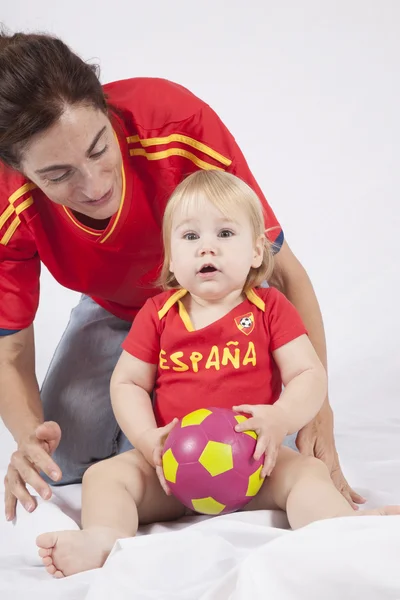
(61, 178)
(100, 153)
(67, 173)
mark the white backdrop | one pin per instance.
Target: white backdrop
(311, 92)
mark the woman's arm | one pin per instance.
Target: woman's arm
(317, 437)
(22, 413)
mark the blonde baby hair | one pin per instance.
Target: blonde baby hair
(227, 193)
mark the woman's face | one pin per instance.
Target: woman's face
(77, 162)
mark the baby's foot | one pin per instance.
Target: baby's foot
(383, 511)
(68, 552)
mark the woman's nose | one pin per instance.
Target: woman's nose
(92, 185)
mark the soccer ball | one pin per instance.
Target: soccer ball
(246, 322)
(208, 465)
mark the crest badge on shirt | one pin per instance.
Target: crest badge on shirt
(245, 323)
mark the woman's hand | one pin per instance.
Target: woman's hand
(316, 439)
(32, 456)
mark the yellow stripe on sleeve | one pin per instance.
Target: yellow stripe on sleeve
(175, 152)
(27, 187)
(183, 139)
(10, 231)
(24, 205)
(14, 224)
(6, 215)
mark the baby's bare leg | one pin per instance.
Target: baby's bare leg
(302, 486)
(117, 495)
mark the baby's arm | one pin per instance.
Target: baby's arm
(305, 382)
(302, 374)
(131, 385)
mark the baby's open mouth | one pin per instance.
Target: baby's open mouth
(208, 269)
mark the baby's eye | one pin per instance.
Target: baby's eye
(190, 236)
(225, 233)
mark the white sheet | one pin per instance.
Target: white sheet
(240, 558)
(237, 556)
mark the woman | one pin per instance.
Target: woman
(86, 174)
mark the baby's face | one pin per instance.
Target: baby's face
(211, 254)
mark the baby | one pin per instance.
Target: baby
(211, 336)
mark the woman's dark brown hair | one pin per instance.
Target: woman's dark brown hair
(39, 76)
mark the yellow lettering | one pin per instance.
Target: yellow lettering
(195, 357)
(250, 356)
(181, 365)
(163, 361)
(227, 356)
(213, 359)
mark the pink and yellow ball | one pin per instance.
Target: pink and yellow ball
(208, 465)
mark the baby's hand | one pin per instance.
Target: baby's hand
(159, 441)
(269, 422)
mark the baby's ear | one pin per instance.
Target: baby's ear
(258, 251)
